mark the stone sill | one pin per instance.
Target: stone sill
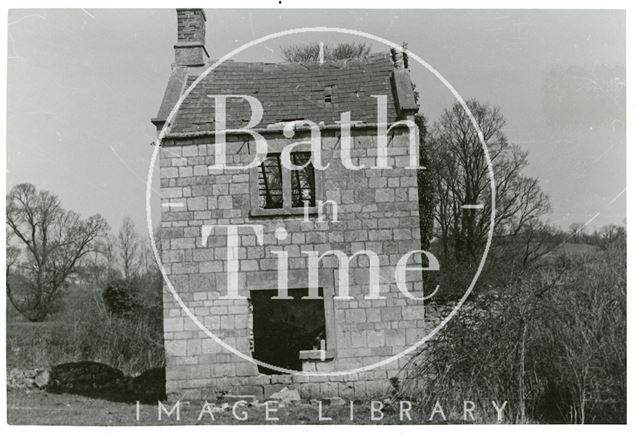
(282, 213)
(319, 355)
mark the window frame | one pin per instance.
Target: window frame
(287, 209)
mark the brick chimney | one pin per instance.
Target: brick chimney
(190, 50)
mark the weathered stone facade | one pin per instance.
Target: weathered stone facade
(378, 211)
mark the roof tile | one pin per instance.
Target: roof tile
(289, 91)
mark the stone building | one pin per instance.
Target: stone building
(377, 210)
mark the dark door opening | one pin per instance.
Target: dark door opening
(282, 328)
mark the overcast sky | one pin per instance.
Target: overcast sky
(83, 85)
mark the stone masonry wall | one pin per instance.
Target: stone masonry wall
(378, 210)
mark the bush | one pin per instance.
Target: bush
(90, 331)
(120, 298)
(552, 343)
(141, 293)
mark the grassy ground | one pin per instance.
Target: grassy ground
(41, 408)
(27, 344)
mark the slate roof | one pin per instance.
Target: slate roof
(287, 92)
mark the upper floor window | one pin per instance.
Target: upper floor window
(270, 183)
(303, 182)
(277, 190)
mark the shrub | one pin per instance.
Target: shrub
(141, 293)
(120, 298)
(90, 331)
(552, 343)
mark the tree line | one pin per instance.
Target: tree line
(49, 247)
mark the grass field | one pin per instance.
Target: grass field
(27, 344)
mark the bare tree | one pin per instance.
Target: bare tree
(148, 264)
(463, 184)
(54, 239)
(109, 249)
(311, 52)
(101, 266)
(129, 245)
(13, 253)
(576, 229)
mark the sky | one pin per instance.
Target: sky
(84, 84)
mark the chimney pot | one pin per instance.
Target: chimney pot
(396, 57)
(405, 55)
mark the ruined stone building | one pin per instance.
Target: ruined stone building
(377, 210)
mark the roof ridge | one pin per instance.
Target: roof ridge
(370, 58)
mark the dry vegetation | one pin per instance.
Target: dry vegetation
(84, 329)
(552, 342)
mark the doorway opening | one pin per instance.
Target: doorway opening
(283, 328)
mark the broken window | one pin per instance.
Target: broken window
(283, 328)
(270, 182)
(279, 190)
(303, 184)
